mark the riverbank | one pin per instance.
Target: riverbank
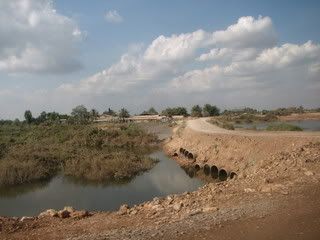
(277, 174)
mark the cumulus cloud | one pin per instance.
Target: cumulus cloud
(228, 54)
(166, 57)
(288, 57)
(113, 16)
(247, 32)
(37, 39)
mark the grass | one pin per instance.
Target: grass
(248, 118)
(283, 127)
(225, 125)
(30, 153)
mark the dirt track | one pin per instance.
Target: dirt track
(201, 125)
(275, 196)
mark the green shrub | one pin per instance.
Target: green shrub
(34, 152)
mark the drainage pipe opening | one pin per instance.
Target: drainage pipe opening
(206, 169)
(214, 172)
(223, 174)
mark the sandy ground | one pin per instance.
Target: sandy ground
(276, 194)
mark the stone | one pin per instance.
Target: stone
(249, 190)
(210, 209)
(177, 207)
(133, 212)
(69, 209)
(195, 212)
(79, 214)
(123, 209)
(308, 173)
(23, 219)
(49, 213)
(64, 214)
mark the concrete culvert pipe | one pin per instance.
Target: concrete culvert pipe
(186, 153)
(191, 172)
(197, 167)
(206, 169)
(232, 175)
(190, 155)
(214, 172)
(223, 174)
(175, 154)
(181, 150)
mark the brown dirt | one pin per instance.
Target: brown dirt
(275, 196)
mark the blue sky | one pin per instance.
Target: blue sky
(51, 70)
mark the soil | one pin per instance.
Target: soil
(276, 194)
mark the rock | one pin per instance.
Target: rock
(133, 212)
(266, 189)
(49, 213)
(308, 173)
(123, 209)
(210, 209)
(156, 200)
(195, 212)
(79, 214)
(69, 209)
(64, 214)
(23, 219)
(177, 207)
(249, 190)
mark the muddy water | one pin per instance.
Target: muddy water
(306, 125)
(30, 199)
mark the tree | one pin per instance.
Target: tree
(80, 114)
(151, 111)
(175, 111)
(210, 110)
(28, 116)
(124, 113)
(110, 112)
(94, 114)
(42, 117)
(196, 111)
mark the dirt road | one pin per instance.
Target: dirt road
(202, 125)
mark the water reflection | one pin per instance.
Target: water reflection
(12, 192)
(165, 178)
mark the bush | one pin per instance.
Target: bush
(41, 151)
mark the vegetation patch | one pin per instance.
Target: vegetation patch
(34, 152)
(283, 127)
(225, 125)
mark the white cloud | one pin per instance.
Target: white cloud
(228, 54)
(113, 16)
(247, 32)
(288, 57)
(166, 57)
(36, 39)
(176, 47)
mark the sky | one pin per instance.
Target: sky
(55, 55)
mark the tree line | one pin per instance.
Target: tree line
(81, 115)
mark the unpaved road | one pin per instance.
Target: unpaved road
(201, 125)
